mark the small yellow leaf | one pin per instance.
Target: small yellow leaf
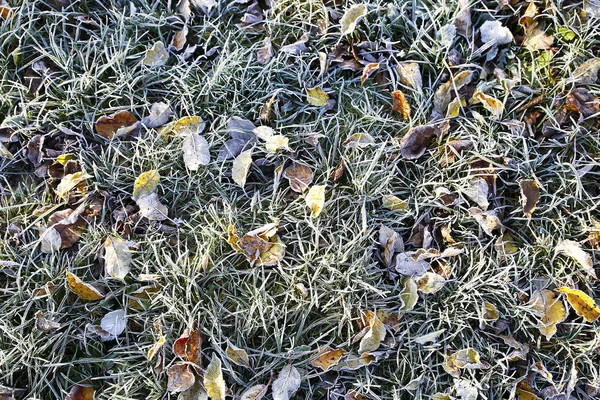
(430, 282)
(69, 182)
(156, 55)
(328, 358)
(465, 358)
(583, 304)
(489, 312)
(237, 355)
(315, 199)
(84, 290)
(155, 347)
(374, 336)
(145, 184)
(455, 106)
(394, 203)
(241, 166)
(187, 125)
(317, 96)
(213, 380)
(400, 104)
(276, 142)
(490, 103)
(351, 18)
(410, 294)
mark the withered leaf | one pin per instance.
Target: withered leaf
(587, 72)
(368, 71)
(488, 220)
(81, 392)
(584, 305)
(34, 150)
(359, 140)
(300, 177)
(68, 224)
(490, 103)
(581, 101)
(328, 358)
(255, 392)
(241, 167)
(265, 53)
(117, 124)
(83, 290)
(156, 55)
(213, 380)
(160, 113)
(410, 75)
(117, 257)
(462, 359)
(414, 144)
(315, 199)
(535, 38)
(287, 383)
(443, 95)
(551, 310)
(573, 249)
(237, 356)
(180, 378)
(231, 149)
(317, 96)
(400, 104)
(179, 39)
(351, 17)
(430, 282)
(337, 174)
(375, 333)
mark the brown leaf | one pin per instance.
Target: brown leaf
(443, 95)
(179, 347)
(265, 53)
(193, 347)
(594, 234)
(34, 150)
(400, 104)
(328, 358)
(69, 224)
(581, 101)
(117, 124)
(415, 142)
(452, 148)
(180, 378)
(368, 71)
(535, 38)
(179, 39)
(530, 195)
(300, 177)
(80, 392)
(6, 11)
(339, 172)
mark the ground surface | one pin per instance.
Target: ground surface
(63, 65)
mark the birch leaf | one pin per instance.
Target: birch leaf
(328, 358)
(351, 17)
(117, 257)
(317, 97)
(69, 182)
(287, 383)
(145, 184)
(195, 151)
(155, 348)
(315, 199)
(237, 355)
(430, 282)
(551, 309)
(583, 304)
(374, 336)
(213, 380)
(241, 167)
(490, 103)
(180, 378)
(83, 290)
(300, 177)
(151, 207)
(573, 249)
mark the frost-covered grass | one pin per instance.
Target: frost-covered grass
(97, 70)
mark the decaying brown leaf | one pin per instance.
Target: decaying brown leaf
(81, 392)
(414, 144)
(300, 177)
(337, 174)
(530, 195)
(69, 224)
(328, 358)
(180, 378)
(179, 38)
(452, 149)
(118, 124)
(400, 104)
(368, 71)
(587, 72)
(580, 100)
(261, 246)
(594, 234)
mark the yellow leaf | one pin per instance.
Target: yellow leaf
(400, 104)
(328, 358)
(84, 290)
(368, 71)
(237, 355)
(430, 282)
(454, 107)
(466, 358)
(394, 203)
(241, 166)
(188, 124)
(583, 304)
(410, 294)
(489, 312)
(276, 142)
(351, 18)
(155, 347)
(69, 182)
(145, 184)
(213, 380)
(525, 392)
(156, 55)
(317, 96)
(374, 336)
(315, 199)
(490, 103)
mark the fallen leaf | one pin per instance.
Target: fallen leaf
(195, 151)
(394, 203)
(196, 392)
(375, 334)
(351, 17)
(261, 246)
(83, 290)
(530, 195)
(535, 38)
(352, 395)
(429, 337)
(241, 167)
(118, 124)
(489, 312)
(430, 282)
(300, 177)
(315, 199)
(141, 299)
(359, 140)
(462, 359)
(277, 142)
(583, 304)
(45, 325)
(478, 191)
(160, 113)
(410, 294)
(443, 95)
(551, 310)
(145, 184)
(409, 264)
(34, 150)
(114, 322)
(64, 230)
(213, 380)
(400, 104)
(151, 207)
(454, 107)
(525, 392)
(488, 220)
(337, 174)
(267, 110)
(240, 128)
(328, 358)
(391, 242)
(287, 383)
(317, 96)
(70, 182)
(193, 347)
(573, 249)
(117, 257)
(180, 378)
(255, 392)
(587, 73)
(490, 103)
(265, 52)
(157, 55)
(237, 355)
(410, 75)
(495, 32)
(581, 101)
(368, 71)
(297, 47)
(354, 362)
(6, 11)
(155, 348)
(463, 19)
(80, 392)
(594, 234)
(414, 144)
(179, 39)
(231, 149)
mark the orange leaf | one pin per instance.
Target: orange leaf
(400, 104)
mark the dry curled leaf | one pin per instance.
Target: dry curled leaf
(414, 144)
(573, 249)
(317, 96)
(400, 104)
(351, 17)
(488, 220)
(213, 380)
(594, 234)
(490, 103)
(374, 335)
(300, 177)
(315, 199)
(180, 378)
(83, 290)
(368, 70)
(237, 356)
(462, 359)
(551, 310)
(155, 347)
(261, 246)
(337, 174)
(328, 358)
(530, 195)
(535, 37)
(410, 75)
(64, 230)
(583, 304)
(81, 392)
(430, 282)
(241, 167)
(118, 124)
